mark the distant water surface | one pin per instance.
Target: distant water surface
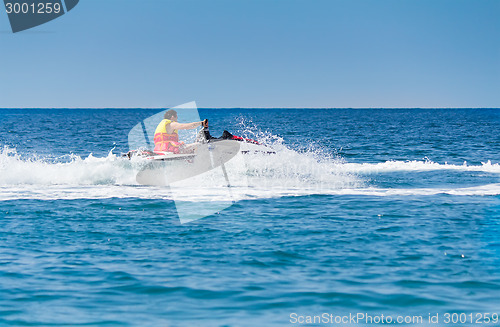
(393, 212)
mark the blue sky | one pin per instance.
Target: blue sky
(257, 53)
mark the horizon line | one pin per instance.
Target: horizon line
(229, 108)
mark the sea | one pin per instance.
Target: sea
(361, 217)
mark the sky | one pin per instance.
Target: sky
(257, 54)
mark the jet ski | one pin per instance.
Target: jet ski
(245, 145)
(157, 156)
(162, 169)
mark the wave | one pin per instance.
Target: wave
(220, 194)
(109, 170)
(416, 166)
(287, 166)
(287, 173)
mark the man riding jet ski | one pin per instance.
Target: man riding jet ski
(166, 136)
(168, 146)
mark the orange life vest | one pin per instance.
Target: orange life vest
(165, 142)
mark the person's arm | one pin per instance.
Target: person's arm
(176, 125)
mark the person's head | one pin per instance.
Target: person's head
(171, 115)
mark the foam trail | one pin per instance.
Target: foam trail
(393, 166)
(286, 168)
(287, 173)
(89, 171)
(212, 194)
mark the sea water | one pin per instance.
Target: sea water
(375, 212)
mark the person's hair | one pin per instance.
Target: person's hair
(170, 113)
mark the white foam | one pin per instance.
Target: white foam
(287, 173)
(427, 165)
(214, 194)
(109, 170)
